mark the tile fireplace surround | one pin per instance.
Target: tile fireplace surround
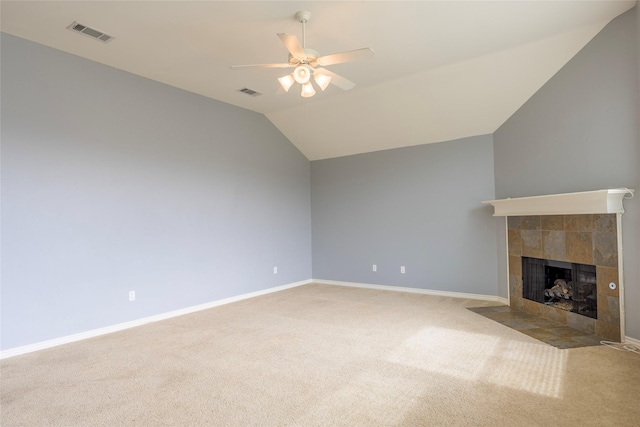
(584, 239)
(582, 228)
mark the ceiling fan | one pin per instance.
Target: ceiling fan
(307, 63)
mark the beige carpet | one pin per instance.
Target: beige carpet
(323, 355)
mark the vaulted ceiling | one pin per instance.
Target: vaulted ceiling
(442, 70)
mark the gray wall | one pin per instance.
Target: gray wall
(111, 183)
(580, 132)
(415, 206)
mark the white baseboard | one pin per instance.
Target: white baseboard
(502, 300)
(415, 290)
(139, 322)
(629, 340)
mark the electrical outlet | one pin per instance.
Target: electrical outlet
(375, 267)
(132, 295)
(402, 269)
(275, 270)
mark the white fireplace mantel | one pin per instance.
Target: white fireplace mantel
(585, 202)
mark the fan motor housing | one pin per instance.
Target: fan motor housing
(312, 57)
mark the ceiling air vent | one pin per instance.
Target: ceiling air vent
(250, 92)
(91, 32)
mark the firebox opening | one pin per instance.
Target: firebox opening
(563, 285)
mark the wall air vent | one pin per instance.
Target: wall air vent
(91, 32)
(250, 92)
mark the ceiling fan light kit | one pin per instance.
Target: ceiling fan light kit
(307, 90)
(322, 80)
(302, 74)
(306, 63)
(286, 82)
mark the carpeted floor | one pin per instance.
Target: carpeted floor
(320, 355)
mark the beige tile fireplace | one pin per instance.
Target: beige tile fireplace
(582, 228)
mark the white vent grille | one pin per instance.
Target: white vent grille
(90, 32)
(250, 92)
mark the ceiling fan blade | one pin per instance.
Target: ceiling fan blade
(262, 66)
(293, 46)
(352, 55)
(337, 80)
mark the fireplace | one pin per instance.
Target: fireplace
(564, 258)
(557, 250)
(563, 285)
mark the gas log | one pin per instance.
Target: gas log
(561, 289)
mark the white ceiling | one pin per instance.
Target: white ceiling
(443, 69)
